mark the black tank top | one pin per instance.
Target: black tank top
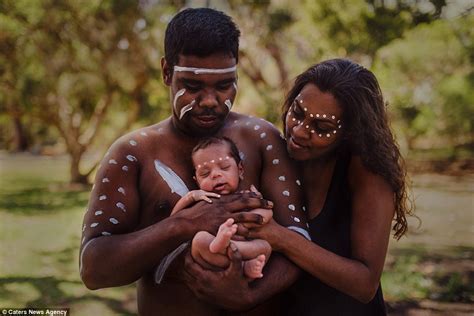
(331, 230)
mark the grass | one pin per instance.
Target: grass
(40, 227)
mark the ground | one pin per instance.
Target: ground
(429, 272)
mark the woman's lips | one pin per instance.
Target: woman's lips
(295, 145)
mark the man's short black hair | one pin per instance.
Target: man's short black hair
(200, 32)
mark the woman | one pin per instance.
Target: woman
(354, 181)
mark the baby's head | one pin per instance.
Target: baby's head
(217, 165)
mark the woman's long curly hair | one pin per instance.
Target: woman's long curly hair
(366, 127)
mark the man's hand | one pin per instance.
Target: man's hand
(228, 288)
(208, 217)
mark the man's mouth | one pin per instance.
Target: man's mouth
(206, 120)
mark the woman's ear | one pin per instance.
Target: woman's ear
(166, 71)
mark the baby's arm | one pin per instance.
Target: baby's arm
(191, 197)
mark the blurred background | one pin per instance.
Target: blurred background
(75, 75)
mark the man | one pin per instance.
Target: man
(127, 230)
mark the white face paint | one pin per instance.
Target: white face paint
(276, 161)
(185, 109)
(143, 134)
(292, 207)
(121, 190)
(177, 95)
(257, 127)
(281, 178)
(112, 162)
(94, 225)
(104, 180)
(125, 168)
(102, 197)
(199, 71)
(228, 103)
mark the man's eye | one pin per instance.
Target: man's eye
(224, 86)
(192, 87)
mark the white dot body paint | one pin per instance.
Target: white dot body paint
(328, 135)
(133, 143)
(112, 162)
(113, 221)
(177, 95)
(333, 117)
(103, 197)
(276, 161)
(263, 135)
(235, 122)
(131, 158)
(241, 155)
(185, 109)
(143, 134)
(296, 219)
(298, 182)
(121, 190)
(104, 180)
(94, 225)
(257, 127)
(125, 168)
(84, 228)
(269, 147)
(281, 178)
(99, 212)
(293, 119)
(228, 103)
(198, 71)
(324, 115)
(121, 206)
(106, 234)
(286, 193)
(304, 208)
(292, 207)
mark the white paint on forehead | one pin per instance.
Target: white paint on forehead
(263, 135)
(228, 103)
(298, 182)
(121, 190)
(143, 134)
(112, 162)
(94, 225)
(286, 193)
(177, 95)
(185, 109)
(291, 207)
(175, 183)
(102, 197)
(104, 180)
(199, 71)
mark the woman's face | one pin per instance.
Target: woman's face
(313, 124)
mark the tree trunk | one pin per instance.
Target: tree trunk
(20, 140)
(75, 174)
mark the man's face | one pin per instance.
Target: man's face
(203, 90)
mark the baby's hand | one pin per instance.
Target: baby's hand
(201, 195)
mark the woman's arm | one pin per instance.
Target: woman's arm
(372, 213)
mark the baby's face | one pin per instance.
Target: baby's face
(216, 170)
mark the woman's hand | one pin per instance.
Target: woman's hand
(271, 232)
(228, 289)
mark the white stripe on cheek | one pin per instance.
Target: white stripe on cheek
(177, 95)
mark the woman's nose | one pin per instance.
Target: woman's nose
(301, 131)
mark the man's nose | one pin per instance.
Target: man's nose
(209, 99)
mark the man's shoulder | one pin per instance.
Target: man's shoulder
(251, 126)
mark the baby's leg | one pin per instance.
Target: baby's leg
(256, 252)
(202, 255)
(222, 240)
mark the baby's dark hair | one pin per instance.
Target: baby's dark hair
(200, 32)
(206, 142)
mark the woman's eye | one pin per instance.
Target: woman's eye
(297, 111)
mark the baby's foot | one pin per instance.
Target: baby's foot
(253, 268)
(225, 233)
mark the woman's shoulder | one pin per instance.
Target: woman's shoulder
(360, 177)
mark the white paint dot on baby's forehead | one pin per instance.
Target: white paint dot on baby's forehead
(112, 162)
(99, 212)
(286, 193)
(281, 178)
(276, 161)
(291, 207)
(125, 168)
(84, 227)
(133, 143)
(102, 197)
(269, 147)
(94, 225)
(113, 221)
(263, 135)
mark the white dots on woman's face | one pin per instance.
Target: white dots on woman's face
(113, 221)
(103, 197)
(121, 206)
(269, 147)
(304, 208)
(112, 162)
(286, 193)
(276, 161)
(291, 207)
(99, 212)
(94, 225)
(281, 178)
(104, 180)
(121, 190)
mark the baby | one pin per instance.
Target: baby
(218, 170)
